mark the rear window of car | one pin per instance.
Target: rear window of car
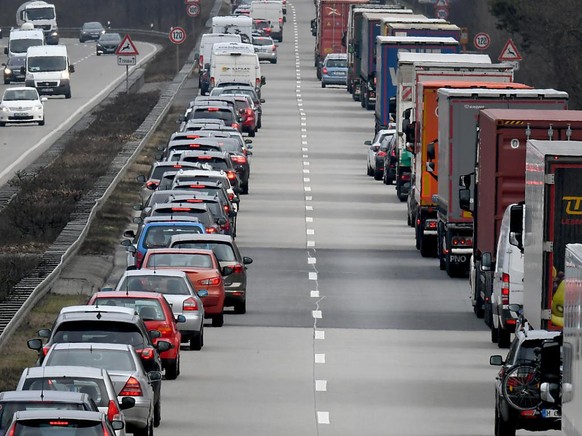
(158, 283)
(220, 114)
(111, 360)
(8, 408)
(159, 236)
(93, 387)
(336, 63)
(262, 41)
(179, 260)
(61, 427)
(222, 251)
(216, 162)
(148, 309)
(201, 215)
(98, 331)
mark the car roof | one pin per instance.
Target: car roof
(201, 237)
(158, 221)
(21, 88)
(538, 334)
(86, 415)
(213, 153)
(182, 204)
(129, 294)
(44, 395)
(69, 371)
(150, 272)
(337, 56)
(90, 346)
(153, 251)
(100, 309)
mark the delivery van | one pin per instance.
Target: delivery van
(235, 67)
(20, 39)
(48, 69)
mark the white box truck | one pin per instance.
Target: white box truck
(272, 11)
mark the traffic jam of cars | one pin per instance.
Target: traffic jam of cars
(183, 264)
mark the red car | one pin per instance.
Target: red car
(157, 314)
(203, 271)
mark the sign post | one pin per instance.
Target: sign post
(126, 55)
(177, 37)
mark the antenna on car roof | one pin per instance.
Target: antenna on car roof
(42, 384)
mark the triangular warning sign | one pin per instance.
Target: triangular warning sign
(441, 4)
(509, 52)
(126, 47)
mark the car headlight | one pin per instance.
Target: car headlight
(38, 107)
(55, 33)
(4, 109)
(7, 71)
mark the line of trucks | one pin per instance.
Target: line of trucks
(494, 187)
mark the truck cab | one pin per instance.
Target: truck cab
(43, 16)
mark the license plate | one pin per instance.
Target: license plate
(48, 89)
(20, 114)
(550, 413)
(339, 73)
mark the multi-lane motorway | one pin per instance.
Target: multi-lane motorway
(93, 80)
(348, 330)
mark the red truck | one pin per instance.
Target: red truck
(500, 181)
(330, 27)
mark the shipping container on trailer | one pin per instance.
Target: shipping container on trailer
(387, 49)
(354, 40)
(553, 218)
(458, 110)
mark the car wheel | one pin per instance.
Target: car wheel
(218, 320)
(146, 431)
(68, 94)
(259, 124)
(173, 369)
(322, 84)
(245, 189)
(378, 175)
(6, 82)
(274, 61)
(504, 337)
(98, 54)
(197, 341)
(494, 334)
(41, 122)
(240, 308)
(503, 428)
(252, 134)
(2, 124)
(158, 413)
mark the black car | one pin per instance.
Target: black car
(390, 162)
(12, 69)
(107, 43)
(91, 31)
(214, 111)
(241, 89)
(200, 211)
(218, 161)
(211, 187)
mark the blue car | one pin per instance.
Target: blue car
(156, 232)
(334, 70)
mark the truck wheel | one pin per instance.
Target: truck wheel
(417, 237)
(318, 73)
(502, 428)
(494, 334)
(442, 264)
(362, 98)
(427, 246)
(378, 174)
(504, 337)
(322, 84)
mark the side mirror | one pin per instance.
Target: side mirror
(486, 262)
(248, 141)
(140, 179)
(496, 360)
(129, 234)
(262, 100)
(263, 80)
(126, 243)
(227, 270)
(430, 167)
(202, 293)
(106, 289)
(197, 56)
(430, 151)
(131, 249)
(137, 206)
(71, 68)
(119, 425)
(155, 334)
(368, 143)
(156, 375)
(247, 260)
(43, 99)
(221, 221)
(137, 220)
(127, 403)
(237, 190)
(249, 153)
(465, 181)
(567, 392)
(162, 346)
(181, 119)
(465, 200)
(34, 344)
(44, 333)
(180, 319)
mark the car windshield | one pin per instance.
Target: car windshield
(149, 309)
(93, 26)
(111, 360)
(40, 14)
(47, 63)
(110, 37)
(336, 63)
(61, 427)
(179, 260)
(222, 250)
(21, 45)
(159, 236)
(243, 91)
(16, 61)
(170, 285)
(98, 331)
(8, 408)
(94, 387)
(20, 94)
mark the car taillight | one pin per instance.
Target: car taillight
(189, 305)
(146, 353)
(505, 289)
(194, 200)
(280, 20)
(139, 259)
(250, 113)
(274, 48)
(105, 432)
(430, 224)
(132, 388)
(211, 230)
(231, 175)
(165, 331)
(177, 166)
(112, 411)
(212, 82)
(201, 60)
(213, 109)
(197, 186)
(180, 209)
(374, 81)
(11, 430)
(45, 349)
(237, 269)
(239, 159)
(204, 157)
(257, 82)
(226, 208)
(212, 281)
(324, 70)
(194, 145)
(151, 185)
(460, 241)
(381, 154)
(231, 196)
(235, 125)
(405, 177)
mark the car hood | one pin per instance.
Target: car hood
(16, 104)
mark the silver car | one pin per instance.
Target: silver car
(177, 289)
(126, 370)
(95, 382)
(265, 48)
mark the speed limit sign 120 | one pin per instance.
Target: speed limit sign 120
(177, 35)
(482, 41)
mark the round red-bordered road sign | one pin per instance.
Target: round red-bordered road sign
(177, 35)
(193, 9)
(482, 41)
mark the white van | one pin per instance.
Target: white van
(48, 70)
(508, 276)
(235, 67)
(238, 25)
(207, 42)
(270, 10)
(20, 39)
